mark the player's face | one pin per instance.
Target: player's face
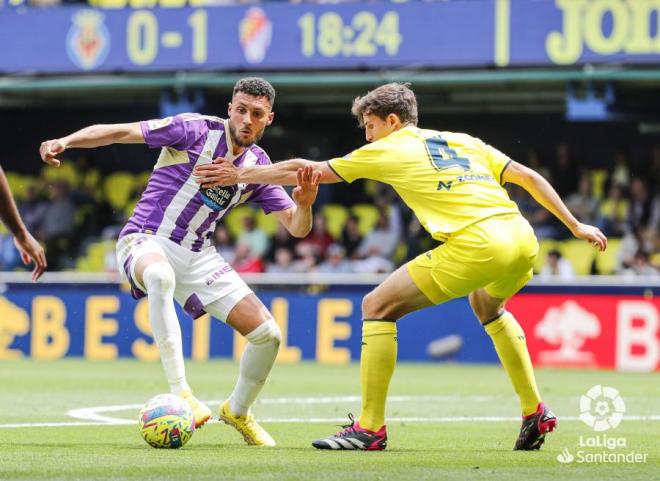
(376, 128)
(248, 118)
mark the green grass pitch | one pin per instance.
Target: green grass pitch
(431, 431)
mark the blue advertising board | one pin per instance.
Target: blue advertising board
(469, 33)
(102, 322)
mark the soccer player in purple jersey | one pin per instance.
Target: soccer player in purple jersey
(165, 248)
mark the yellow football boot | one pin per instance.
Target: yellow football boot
(201, 412)
(253, 434)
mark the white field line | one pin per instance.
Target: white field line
(93, 416)
(339, 399)
(457, 419)
(94, 413)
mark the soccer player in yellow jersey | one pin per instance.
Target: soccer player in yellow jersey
(453, 183)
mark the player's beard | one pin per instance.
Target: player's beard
(240, 143)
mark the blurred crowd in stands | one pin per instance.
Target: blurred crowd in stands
(77, 213)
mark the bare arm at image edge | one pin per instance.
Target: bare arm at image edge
(27, 245)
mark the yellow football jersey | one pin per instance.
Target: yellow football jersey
(449, 180)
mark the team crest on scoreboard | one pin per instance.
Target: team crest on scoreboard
(255, 33)
(88, 40)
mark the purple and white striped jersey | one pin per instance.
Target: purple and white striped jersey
(173, 205)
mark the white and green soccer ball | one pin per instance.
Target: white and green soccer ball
(166, 421)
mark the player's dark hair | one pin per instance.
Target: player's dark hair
(392, 98)
(255, 86)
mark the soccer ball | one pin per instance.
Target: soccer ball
(166, 421)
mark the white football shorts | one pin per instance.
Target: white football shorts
(201, 277)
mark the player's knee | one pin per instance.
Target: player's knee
(482, 313)
(159, 278)
(483, 310)
(267, 333)
(369, 306)
(475, 305)
(374, 308)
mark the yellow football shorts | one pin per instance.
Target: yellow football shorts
(496, 253)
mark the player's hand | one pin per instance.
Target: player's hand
(49, 149)
(31, 251)
(305, 192)
(591, 234)
(221, 172)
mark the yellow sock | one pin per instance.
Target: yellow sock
(511, 347)
(376, 368)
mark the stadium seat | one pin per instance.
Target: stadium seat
(118, 188)
(18, 184)
(267, 222)
(109, 4)
(367, 216)
(91, 180)
(234, 220)
(82, 213)
(400, 253)
(96, 254)
(142, 178)
(371, 188)
(94, 259)
(82, 265)
(598, 179)
(607, 262)
(335, 218)
(580, 253)
(67, 172)
(655, 259)
(130, 207)
(545, 246)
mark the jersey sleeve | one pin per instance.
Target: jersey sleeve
(363, 163)
(271, 198)
(177, 132)
(497, 161)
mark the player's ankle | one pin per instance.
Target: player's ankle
(180, 389)
(368, 429)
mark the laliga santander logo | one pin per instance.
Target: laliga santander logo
(602, 408)
(88, 40)
(255, 31)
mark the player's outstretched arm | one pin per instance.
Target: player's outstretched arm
(224, 172)
(298, 219)
(27, 245)
(90, 137)
(545, 194)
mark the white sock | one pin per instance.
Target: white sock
(159, 281)
(256, 362)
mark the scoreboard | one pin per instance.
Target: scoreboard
(468, 33)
